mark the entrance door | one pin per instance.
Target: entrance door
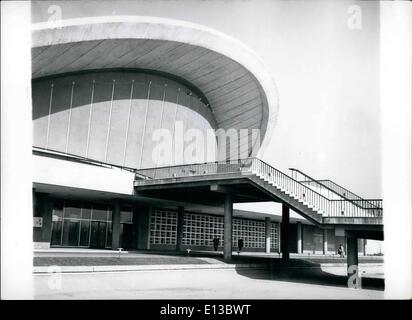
(98, 235)
(127, 236)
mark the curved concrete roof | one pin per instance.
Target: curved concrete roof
(241, 92)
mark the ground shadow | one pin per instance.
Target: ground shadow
(308, 272)
(274, 268)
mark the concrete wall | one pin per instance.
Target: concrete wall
(141, 217)
(42, 208)
(111, 116)
(79, 175)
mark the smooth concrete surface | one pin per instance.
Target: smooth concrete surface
(352, 254)
(116, 225)
(219, 65)
(228, 227)
(124, 268)
(58, 172)
(284, 234)
(371, 270)
(187, 284)
(299, 237)
(111, 116)
(267, 234)
(42, 208)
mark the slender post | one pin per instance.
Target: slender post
(299, 237)
(325, 241)
(227, 249)
(116, 226)
(284, 240)
(267, 234)
(352, 261)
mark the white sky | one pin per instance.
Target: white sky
(327, 75)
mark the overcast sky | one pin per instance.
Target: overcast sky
(327, 75)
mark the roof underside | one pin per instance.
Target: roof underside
(235, 96)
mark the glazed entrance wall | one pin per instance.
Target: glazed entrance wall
(89, 225)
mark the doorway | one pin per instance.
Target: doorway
(98, 235)
(127, 236)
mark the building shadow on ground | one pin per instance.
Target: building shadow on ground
(273, 268)
(308, 272)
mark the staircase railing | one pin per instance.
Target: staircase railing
(313, 199)
(343, 193)
(288, 185)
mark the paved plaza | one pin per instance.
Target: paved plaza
(200, 275)
(188, 284)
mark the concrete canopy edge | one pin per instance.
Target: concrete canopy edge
(154, 28)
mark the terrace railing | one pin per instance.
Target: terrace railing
(273, 177)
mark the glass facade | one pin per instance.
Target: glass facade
(201, 229)
(89, 225)
(81, 224)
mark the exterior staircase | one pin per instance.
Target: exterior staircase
(302, 196)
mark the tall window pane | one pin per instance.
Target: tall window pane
(109, 235)
(71, 232)
(126, 215)
(57, 210)
(56, 233)
(99, 212)
(86, 211)
(72, 210)
(84, 233)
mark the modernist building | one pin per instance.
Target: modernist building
(101, 87)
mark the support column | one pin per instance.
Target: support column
(299, 237)
(116, 225)
(284, 240)
(352, 255)
(42, 208)
(325, 241)
(267, 234)
(227, 249)
(179, 235)
(364, 247)
(143, 226)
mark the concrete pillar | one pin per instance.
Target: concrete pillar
(325, 241)
(116, 225)
(142, 215)
(179, 235)
(42, 208)
(352, 253)
(227, 249)
(284, 240)
(267, 234)
(299, 237)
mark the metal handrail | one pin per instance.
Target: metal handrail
(275, 177)
(358, 201)
(317, 201)
(77, 158)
